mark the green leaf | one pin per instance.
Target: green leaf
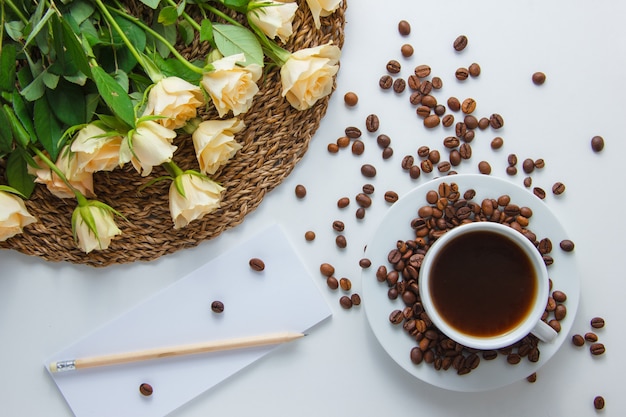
(231, 40)
(79, 78)
(50, 80)
(48, 128)
(114, 96)
(186, 32)
(168, 15)
(6, 136)
(180, 9)
(39, 26)
(36, 89)
(67, 103)
(153, 4)
(24, 116)
(239, 5)
(169, 33)
(15, 30)
(8, 53)
(206, 31)
(173, 67)
(17, 173)
(74, 50)
(81, 10)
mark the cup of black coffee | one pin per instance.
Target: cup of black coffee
(486, 286)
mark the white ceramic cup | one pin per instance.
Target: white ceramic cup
(531, 323)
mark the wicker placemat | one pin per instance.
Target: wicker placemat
(275, 139)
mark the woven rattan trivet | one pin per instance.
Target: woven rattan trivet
(275, 139)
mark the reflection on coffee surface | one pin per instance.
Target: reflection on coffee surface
(482, 284)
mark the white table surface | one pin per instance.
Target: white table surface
(340, 369)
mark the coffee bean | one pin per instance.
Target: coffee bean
(353, 132)
(345, 302)
(356, 299)
(513, 358)
(460, 43)
(539, 78)
(345, 284)
(399, 85)
(343, 202)
(385, 82)
(363, 200)
(532, 378)
(528, 165)
(393, 66)
(555, 325)
(413, 82)
(597, 143)
(484, 167)
(431, 121)
(146, 389)
(387, 152)
(406, 50)
(257, 264)
(341, 242)
(423, 111)
(358, 147)
(454, 104)
(407, 162)
(448, 120)
(460, 129)
(496, 121)
(404, 28)
(455, 157)
(415, 172)
(423, 151)
(426, 166)
(217, 307)
(539, 163)
(497, 142)
(417, 356)
(465, 150)
(343, 142)
(440, 110)
(591, 337)
(338, 226)
(471, 123)
(578, 340)
(598, 402)
(332, 283)
(434, 156)
(368, 170)
(309, 235)
(539, 192)
(597, 349)
(429, 101)
(327, 269)
(396, 317)
(567, 245)
(474, 69)
(461, 73)
(368, 189)
(560, 312)
(468, 106)
(391, 197)
(360, 213)
(383, 140)
(437, 83)
(559, 296)
(597, 322)
(425, 87)
(558, 188)
(528, 181)
(365, 263)
(483, 123)
(351, 99)
(422, 71)
(372, 123)
(300, 191)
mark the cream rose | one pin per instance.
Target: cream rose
(274, 19)
(322, 8)
(232, 87)
(176, 99)
(67, 163)
(95, 151)
(147, 146)
(307, 75)
(93, 227)
(201, 196)
(214, 142)
(13, 215)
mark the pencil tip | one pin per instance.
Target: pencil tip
(305, 334)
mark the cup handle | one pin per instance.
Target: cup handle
(544, 332)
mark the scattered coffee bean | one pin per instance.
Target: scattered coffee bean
(474, 70)
(560, 312)
(356, 299)
(385, 82)
(332, 283)
(539, 78)
(497, 142)
(300, 191)
(483, 123)
(333, 148)
(429, 101)
(460, 43)
(404, 28)
(393, 66)
(387, 152)
(559, 296)
(597, 349)
(372, 123)
(343, 141)
(484, 167)
(338, 226)
(396, 317)
(468, 106)
(591, 337)
(345, 302)
(558, 188)
(423, 111)
(257, 264)
(351, 99)
(406, 50)
(383, 140)
(434, 156)
(597, 322)
(422, 71)
(528, 181)
(341, 242)
(415, 172)
(578, 340)
(363, 200)
(461, 73)
(454, 104)
(431, 121)
(511, 170)
(539, 192)
(358, 147)
(309, 235)
(532, 377)
(448, 120)
(365, 263)
(471, 123)
(391, 197)
(217, 307)
(146, 389)
(368, 170)
(555, 325)
(539, 163)
(414, 83)
(327, 269)
(399, 85)
(345, 284)
(353, 132)
(360, 213)
(567, 245)
(598, 402)
(496, 121)
(437, 83)
(407, 162)
(597, 143)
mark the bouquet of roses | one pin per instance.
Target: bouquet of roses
(86, 86)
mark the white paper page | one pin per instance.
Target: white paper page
(281, 298)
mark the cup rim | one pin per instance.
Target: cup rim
(513, 335)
